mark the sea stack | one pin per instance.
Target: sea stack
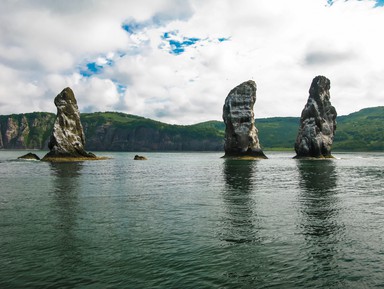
(317, 122)
(241, 140)
(67, 140)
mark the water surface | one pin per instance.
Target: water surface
(192, 220)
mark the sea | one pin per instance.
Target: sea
(192, 220)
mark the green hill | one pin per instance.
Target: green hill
(361, 131)
(115, 131)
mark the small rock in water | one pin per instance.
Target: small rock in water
(139, 158)
(30, 156)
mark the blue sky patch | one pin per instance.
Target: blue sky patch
(121, 88)
(133, 27)
(178, 47)
(160, 19)
(222, 39)
(176, 44)
(378, 2)
(91, 68)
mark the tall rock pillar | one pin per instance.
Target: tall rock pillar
(317, 122)
(67, 140)
(241, 138)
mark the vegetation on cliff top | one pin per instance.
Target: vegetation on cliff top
(359, 131)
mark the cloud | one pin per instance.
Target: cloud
(177, 60)
(325, 57)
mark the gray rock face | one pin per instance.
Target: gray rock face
(26, 131)
(241, 138)
(67, 139)
(317, 123)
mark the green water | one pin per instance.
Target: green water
(192, 220)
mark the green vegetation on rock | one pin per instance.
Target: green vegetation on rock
(361, 131)
(115, 131)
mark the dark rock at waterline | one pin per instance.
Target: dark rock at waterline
(30, 156)
(67, 139)
(139, 158)
(317, 122)
(241, 139)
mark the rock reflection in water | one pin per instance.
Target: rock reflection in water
(66, 202)
(318, 198)
(239, 202)
(319, 210)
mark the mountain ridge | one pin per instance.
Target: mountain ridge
(116, 131)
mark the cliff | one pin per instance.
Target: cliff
(112, 131)
(26, 131)
(123, 132)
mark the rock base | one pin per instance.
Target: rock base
(53, 157)
(313, 158)
(71, 159)
(248, 155)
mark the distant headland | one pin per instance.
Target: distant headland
(116, 131)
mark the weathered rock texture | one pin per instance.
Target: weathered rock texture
(317, 123)
(25, 131)
(241, 138)
(67, 139)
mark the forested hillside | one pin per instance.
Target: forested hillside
(114, 131)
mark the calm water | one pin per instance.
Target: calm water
(192, 220)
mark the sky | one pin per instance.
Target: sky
(176, 60)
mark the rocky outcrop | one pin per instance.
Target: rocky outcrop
(241, 139)
(317, 123)
(139, 158)
(67, 139)
(30, 156)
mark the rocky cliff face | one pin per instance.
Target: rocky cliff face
(112, 137)
(24, 131)
(240, 133)
(67, 138)
(317, 123)
(108, 135)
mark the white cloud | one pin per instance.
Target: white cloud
(280, 44)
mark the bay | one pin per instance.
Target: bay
(192, 220)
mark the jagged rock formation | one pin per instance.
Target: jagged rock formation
(317, 123)
(241, 138)
(67, 138)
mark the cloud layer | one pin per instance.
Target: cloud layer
(176, 61)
